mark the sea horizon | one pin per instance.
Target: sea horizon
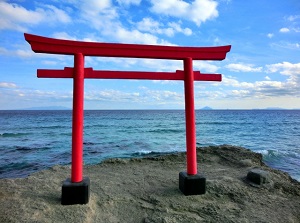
(151, 109)
(32, 140)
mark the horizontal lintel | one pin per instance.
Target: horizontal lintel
(40, 44)
(89, 73)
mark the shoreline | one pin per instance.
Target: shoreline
(151, 154)
(146, 190)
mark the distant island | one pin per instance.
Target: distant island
(275, 108)
(268, 108)
(206, 108)
(272, 108)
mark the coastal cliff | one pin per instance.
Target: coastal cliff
(146, 190)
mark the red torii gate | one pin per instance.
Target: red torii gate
(190, 182)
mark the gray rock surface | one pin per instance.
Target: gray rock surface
(146, 190)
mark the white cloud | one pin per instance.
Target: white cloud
(268, 84)
(197, 11)
(156, 64)
(173, 65)
(145, 96)
(16, 17)
(177, 27)
(97, 13)
(13, 15)
(87, 38)
(134, 36)
(284, 68)
(297, 30)
(267, 78)
(163, 97)
(14, 93)
(162, 65)
(95, 6)
(284, 30)
(286, 45)
(49, 62)
(104, 17)
(152, 26)
(24, 53)
(240, 67)
(53, 14)
(270, 35)
(240, 93)
(112, 95)
(208, 95)
(293, 17)
(267, 88)
(63, 35)
(148, 24)
(7, 85)
(205, 66)
(229, 81)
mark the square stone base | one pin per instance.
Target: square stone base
(75, 193)
(192, 184)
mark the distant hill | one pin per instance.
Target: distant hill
(206, 108)
(271, 108)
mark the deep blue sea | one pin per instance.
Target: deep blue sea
(34, 140)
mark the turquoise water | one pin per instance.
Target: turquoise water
(35, 140)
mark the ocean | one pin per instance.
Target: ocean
(34, 140)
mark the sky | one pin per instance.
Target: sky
(262, 69)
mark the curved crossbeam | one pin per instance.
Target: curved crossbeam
(40, 44)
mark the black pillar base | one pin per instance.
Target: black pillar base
(75, 193)
(192, 184)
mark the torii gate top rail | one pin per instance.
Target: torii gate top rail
(41, 44)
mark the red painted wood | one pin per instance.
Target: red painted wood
(41, 44)
(89, 73)
(77, 122)
(107, 74)
(80, 49)
(191, 153)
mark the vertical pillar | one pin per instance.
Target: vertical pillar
(76, 190)
(77, 122)
(190, 183)
(190, 117)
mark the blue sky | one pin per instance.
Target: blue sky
(261, 70)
